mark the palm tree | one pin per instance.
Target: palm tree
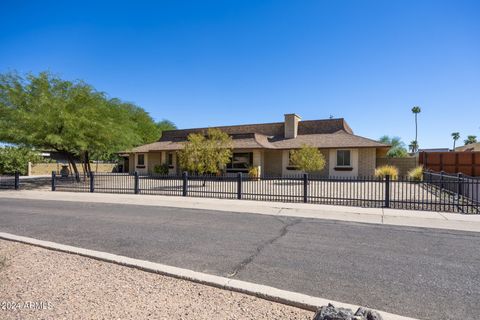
(413, 146)
(455, 136)
(397, 147)
(416, 110)
(470, 140)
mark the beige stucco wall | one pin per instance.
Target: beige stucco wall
(154, 158)
(354, 159)
(367, 158)
(40, 169)
(131, 163)
(273, 162)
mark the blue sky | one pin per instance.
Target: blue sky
(203, 63)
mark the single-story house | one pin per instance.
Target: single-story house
(472, 147)
(268, 145)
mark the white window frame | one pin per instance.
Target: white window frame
(349, 160)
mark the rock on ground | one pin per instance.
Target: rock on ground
(331, 313)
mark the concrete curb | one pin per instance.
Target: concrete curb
(265, 292)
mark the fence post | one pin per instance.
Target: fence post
(54, 182)
(17, 180)
(136, 183)
(92, 182)
(239, 185)
(305, 187)
(459, 188)
(387, 191)
(185, 183)
(441, 179)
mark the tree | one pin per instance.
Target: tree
(206, 153)
(416, 110)
(165, 125)
(307, 159)
(72, 118)
(14, 159)
(413, 146)
(455, 137)
(470, 140)
(397, 147)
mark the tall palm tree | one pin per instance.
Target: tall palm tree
(470, 140)
(413, 146)
(416, 110)
(455, 136)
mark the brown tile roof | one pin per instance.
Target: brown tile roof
(268, 129)
(340, 139)
(330, 133)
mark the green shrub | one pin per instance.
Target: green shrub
(254, 172)
(387, 170)
(307, 159)
(161, 168)
(416, 174)
(14, 159)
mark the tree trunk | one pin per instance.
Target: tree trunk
(74, 166)
(88, 168)
(416, 132)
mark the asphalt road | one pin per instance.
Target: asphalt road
(416, 272)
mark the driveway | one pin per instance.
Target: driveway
(416, 272)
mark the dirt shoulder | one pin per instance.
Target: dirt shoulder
(37, 283)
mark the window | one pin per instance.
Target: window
(170, 159)
(141, 160)
(343, 158)
(240, 162)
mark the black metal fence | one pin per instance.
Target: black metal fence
(436, 192)
(10, 181)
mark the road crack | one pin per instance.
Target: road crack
(283, 231)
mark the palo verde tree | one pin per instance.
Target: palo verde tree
(206, 153)
(307, 159)
(47, 113)
(165, 125)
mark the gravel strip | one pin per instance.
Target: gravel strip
(44, 284)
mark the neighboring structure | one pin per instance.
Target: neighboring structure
(434, 150)
(268, 146)
(464, 162)
(469, 147)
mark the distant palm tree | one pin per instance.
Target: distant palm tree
(397, 149)
(416, 110)
(470, 140)
(455, 136)
(413, 146)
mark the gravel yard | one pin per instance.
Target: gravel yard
(44, 284)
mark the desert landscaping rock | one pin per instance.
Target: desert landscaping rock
(44, 284)
(331, 313)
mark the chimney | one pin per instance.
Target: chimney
(291, 125)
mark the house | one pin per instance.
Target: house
(268, 145)
(472, 147)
